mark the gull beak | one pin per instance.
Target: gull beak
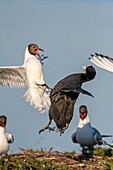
(41, 49)
(36, 52)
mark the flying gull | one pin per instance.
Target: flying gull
(30, 74)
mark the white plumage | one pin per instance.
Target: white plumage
(5, 138)
(4, 147)
(86, 135)
(102, 61)
(29, 74)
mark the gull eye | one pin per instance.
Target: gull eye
(33, 47)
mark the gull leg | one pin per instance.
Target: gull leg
(91, 149)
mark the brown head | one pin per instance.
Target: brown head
(83, 111)
(3, 120)
(33, 49)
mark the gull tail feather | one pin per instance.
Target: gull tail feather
(39, 98)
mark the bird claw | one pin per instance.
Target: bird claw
(54, 129)
(49, 128)
(42, 58)
(42, 130)
(61, 131)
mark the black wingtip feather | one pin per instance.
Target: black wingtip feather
(96, 54)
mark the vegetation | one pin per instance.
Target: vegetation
(53, 160)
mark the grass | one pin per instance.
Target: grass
(28, 164)
(106, 154)
(28, 160)
(53, 160)
(103, 152)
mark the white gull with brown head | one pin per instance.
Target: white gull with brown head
(30, 74)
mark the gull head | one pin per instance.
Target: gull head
(3, 120)
(33, 49)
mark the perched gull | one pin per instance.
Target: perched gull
(102, 61)
(29, 74)
(63, 97)
(86, 135)
(5, 138)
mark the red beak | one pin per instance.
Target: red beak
(36, 52)
(3, 124)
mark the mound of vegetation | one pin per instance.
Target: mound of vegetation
(54, 160)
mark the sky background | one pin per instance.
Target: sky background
(69, 31)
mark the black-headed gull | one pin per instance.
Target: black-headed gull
(102, 61)
(29, 74)
(86, 135)
(63, 97)
(5, 138)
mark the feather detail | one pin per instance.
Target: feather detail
(39, 98)
(13, 76)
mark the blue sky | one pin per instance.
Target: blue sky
(69, 31)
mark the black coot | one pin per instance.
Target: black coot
(63, 97)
